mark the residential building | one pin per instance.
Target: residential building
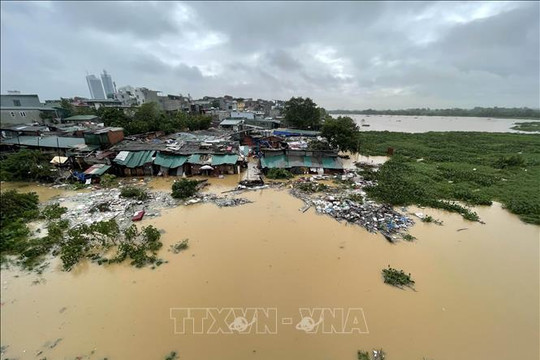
(23, 109)
(144, 95)
(95, 87)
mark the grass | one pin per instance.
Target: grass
(445, 170)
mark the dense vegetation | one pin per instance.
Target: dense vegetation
(494, 112)
(26, 165)
(527, 126)
(73, 244)
(17, 210)
(435, 169)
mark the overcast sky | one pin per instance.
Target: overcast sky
(350, 55)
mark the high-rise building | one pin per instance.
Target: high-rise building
(108, 85)
(95, 87)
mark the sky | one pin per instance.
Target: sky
(343, 55)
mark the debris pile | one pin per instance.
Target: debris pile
(107, 204)
(349, 202)
(370, 215)
(219, 201)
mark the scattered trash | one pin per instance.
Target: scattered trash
(219, 201)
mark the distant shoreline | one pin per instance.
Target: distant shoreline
(499, 113)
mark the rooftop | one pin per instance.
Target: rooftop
(81, 118)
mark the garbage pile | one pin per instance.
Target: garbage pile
(370, 215)
(349, 202)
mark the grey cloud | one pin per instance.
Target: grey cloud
(282, 60)
(342, 54)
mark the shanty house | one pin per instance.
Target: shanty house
(105, 137)
(134, 163)
(170, 164)
(302, 162)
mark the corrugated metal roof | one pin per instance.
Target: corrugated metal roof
(278, 161)
(134, 158)
(231, 122)
(46, 141)
(97, 169)
(81, 118)
(170, 161)
(284, 162)
(295, 132)
(224, 159)
(199, 159)
(195, 159)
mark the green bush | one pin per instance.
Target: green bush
(108, 180)
(276, 173)
(184, 188)
(53, 211)
(134, 193)
(16, 210)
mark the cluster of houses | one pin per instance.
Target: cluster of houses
(244, 131)
(87, 151)
(19, 109)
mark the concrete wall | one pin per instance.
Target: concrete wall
(19, 116)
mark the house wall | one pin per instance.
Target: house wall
(20, 116)
(115, 137)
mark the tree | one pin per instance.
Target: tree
(302, 113)
(67, 109)
(341, 133)
(113, 117)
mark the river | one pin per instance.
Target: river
(476, 289)
(419, 124)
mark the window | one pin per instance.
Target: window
(16, 102)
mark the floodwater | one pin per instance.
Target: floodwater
(476, 290)
(419, 124)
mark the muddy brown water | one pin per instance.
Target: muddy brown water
(476, 290)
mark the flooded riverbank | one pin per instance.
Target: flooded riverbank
(476, 289)
(420, 124)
